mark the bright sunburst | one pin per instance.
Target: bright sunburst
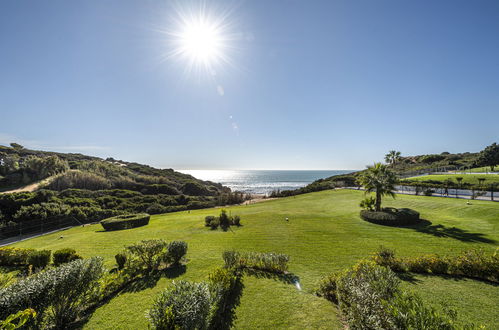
(201, 39)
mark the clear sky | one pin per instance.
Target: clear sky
(295, 85)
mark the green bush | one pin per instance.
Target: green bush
(471, 263)
(214, 224)
(270, 262)
(369, 297)
(391, 216)
(176, 250)
(63, 256)
(39, 259)
(10, 256)
(59, 294)
(125, 221)
(121, 259)
(224, 220)
(208, 219)
(368, 203)
(236, 221)
(184, 305)
(148, 253)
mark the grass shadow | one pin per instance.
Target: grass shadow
(426, 227)
(150, 281)
(225, 317)
(411, 277)
(288, 278)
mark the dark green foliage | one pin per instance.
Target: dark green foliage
(126, 221)
(269, 262)
(236, 221)
(58, 295)
(66, 255)
(148, 252)
(195, 189)
(224, 220)
(14, 256)
(39, 259)
(208, 219)
(176, 250)
(391, 216)
(121, 259)
(368, 203)
(369, 297)
(184, 305)
(489, 156)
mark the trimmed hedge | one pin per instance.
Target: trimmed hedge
(391, 216)
(10, 256)
(63, 256)
(126, 221)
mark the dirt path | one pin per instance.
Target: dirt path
(30, 187)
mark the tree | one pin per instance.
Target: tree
(392, 157)
(16, 146)
(489, 156)
(380, 179)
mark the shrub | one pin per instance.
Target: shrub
(208, 219)
(120, 260)
(368, 203)
(184, 305)
(236, 221)
(126, 221)
(39, 259)
(224, 220)
(391, 216)
(14, 256)
(369, 297)
(63, 256)
(472, 263)
(148, 252)
(214, 224)
(176, 250)
(270, 262)
(18, 320)
(60, 293)
(6, 280)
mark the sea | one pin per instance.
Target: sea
(263, 181)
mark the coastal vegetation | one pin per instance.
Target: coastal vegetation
(330, 220)
(224, 221)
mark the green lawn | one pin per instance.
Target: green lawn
(483, 169)
(467, 178)
(324, 234)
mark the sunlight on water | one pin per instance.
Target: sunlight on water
(262, 181)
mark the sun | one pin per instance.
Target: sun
(201, 38)
(201, 42)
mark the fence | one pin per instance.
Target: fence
(14, 232)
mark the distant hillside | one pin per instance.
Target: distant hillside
(20, 166)
(81, 189)
(405, 166)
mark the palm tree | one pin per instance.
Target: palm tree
(392, 157)
(380, 179)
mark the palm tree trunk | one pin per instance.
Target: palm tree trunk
(378, 201)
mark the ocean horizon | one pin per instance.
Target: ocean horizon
(263, 181)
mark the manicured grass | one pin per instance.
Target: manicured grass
(324, 234)
(483, 169)
(467, 178)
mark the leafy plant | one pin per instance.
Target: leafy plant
(39, 259)
(184, 305)
(368, 203)
(18, 320)
(121, 259)
(379, 179)
(148, 252)
(65, 255)
(176, 250)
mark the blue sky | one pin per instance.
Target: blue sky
(311, 84)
